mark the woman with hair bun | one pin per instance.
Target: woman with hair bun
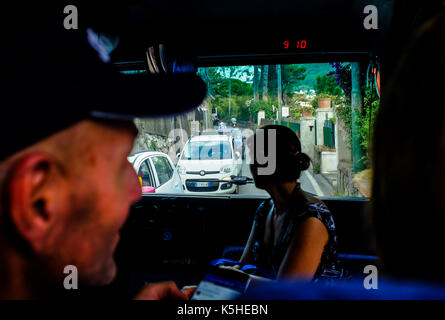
(293, 234)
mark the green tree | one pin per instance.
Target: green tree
(291, 76)
(261, 105)
(366, 119)
(327, 84)
(265, 81)
(239, 109)
(256, 78)
(219, 85)
(229, 91)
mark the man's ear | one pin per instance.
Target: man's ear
(35, 188)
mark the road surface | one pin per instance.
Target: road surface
(310, 182)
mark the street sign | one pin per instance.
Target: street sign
(285, 112)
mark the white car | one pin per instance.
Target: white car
(208, 157)
(156, 172)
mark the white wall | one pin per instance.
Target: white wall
(329, 162)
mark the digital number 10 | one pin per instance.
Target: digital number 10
(300, 44)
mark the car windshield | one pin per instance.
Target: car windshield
(207, 150)
(314, 101)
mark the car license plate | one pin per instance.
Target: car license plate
(202, 184)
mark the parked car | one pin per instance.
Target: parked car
(156, 172)
(208, 157)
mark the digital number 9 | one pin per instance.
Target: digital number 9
(286, 44)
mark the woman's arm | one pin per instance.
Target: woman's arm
(305, 250)
(246, 257)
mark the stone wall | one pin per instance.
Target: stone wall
(345, 184)
(151, 142)
(342, 144)
(345, 173)
(316, 160)
(266, 122)
(247, 125)
(307, 135)
(153, 133)
(162, 126)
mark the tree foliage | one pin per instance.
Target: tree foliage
(219, 85)
(262, 105)
(239, 81)
(238, 108)
(291, 76)
(327, 84)
(366, 117)
(342, 75)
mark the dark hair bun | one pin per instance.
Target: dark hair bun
(303, 161)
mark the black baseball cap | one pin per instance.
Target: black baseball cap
(53, 78)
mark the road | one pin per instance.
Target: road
(310, 182)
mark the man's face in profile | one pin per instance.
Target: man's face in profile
(101, 185)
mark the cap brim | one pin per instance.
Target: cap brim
(151, 95)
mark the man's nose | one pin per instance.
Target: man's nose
(134, 186)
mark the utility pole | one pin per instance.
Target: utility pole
(280, 104)
(230, 92)
(356, 105)
(256, 81)
(265, 76)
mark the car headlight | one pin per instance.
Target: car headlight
(181, 170)
(226, 169)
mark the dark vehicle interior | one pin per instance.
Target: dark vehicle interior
(175, 237)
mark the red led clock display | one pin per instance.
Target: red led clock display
(300, 44)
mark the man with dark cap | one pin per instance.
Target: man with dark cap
(66, 185)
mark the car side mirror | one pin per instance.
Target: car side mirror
(148, 190)
(240, 180)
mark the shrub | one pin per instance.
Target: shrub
(316, 168)
(261, 105)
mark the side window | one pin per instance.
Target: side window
(163, 168)
(144, 174)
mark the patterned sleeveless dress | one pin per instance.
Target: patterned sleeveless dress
(270, 259)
